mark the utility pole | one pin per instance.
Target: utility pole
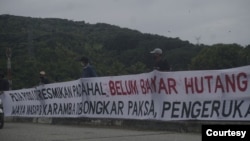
(8, 55)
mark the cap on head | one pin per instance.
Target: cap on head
(42, 73)
(156, 51)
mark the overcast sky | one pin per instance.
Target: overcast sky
(204, 21)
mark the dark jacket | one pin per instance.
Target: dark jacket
(88, 71)
(44, 80)
(162, 65)
(4, 85)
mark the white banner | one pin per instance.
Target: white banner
(182, 95)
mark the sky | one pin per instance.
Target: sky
(197, 21)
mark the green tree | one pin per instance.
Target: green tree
(246, 55)
(219, 56)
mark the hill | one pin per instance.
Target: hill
(54, 44)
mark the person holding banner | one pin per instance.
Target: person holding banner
(4, 84)
(160, 64)
(43, 78)
(88, 70)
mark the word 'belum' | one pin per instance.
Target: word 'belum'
(210, 132)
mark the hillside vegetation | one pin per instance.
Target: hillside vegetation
(54, 45)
